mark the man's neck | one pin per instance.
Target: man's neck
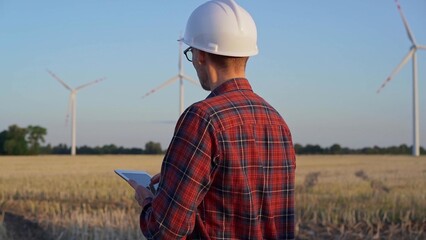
(216, 78)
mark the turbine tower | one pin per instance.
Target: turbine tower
(180, 76)
(411, 54)
(72, 106)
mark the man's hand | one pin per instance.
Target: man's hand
(141, 192)
(154, 180)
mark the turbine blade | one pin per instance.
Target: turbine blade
(421, 47)
(407, 27)
(189, 79)
(397, 69)
(90, 83)
(59, 80)
(168, 82)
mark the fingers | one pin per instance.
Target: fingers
(138, 192)
(139, 198)
(155, 179)
(133, 184)
(152, 188)
(141, 193)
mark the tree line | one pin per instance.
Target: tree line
(150, 148)
(22, 141)
(28, 141)
(402, 149)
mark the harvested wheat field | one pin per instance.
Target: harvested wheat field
(337, 197)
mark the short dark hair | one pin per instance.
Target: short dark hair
(226, 61)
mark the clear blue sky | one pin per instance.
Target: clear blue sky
(320, 64)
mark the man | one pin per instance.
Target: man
(229, 170)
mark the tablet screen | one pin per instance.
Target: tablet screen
(140, 177)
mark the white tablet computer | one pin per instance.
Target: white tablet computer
(141, 177)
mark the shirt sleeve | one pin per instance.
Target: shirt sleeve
(185, 178)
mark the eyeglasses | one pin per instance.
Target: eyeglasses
(188, 53)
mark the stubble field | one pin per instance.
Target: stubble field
(337, 197)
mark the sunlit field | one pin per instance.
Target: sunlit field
(337, 197)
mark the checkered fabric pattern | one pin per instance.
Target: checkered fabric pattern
(228, 173)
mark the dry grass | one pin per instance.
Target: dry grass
(74, 198)
(337, 197)
(361, 197)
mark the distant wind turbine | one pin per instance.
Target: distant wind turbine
(181, 76)
(72, 106)
(411, 54)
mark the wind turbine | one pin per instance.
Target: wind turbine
(411, 54)
(181, 76)
(72, 106)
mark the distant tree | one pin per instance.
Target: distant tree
(110, 149)
(298, 148)
(46, 149)
(15, 143)
(404, 149)
(35, 135)
(3, 136)
(346, 150)
(88, 150)
(134, 151)
(335, 149)
(61, 149)
(313, 149)
(153, 148)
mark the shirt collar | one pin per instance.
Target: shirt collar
(235, 84)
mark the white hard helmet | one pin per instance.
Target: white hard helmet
(222, 27)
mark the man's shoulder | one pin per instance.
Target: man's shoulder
(204, 107)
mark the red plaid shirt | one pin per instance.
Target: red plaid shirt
(228, 172)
